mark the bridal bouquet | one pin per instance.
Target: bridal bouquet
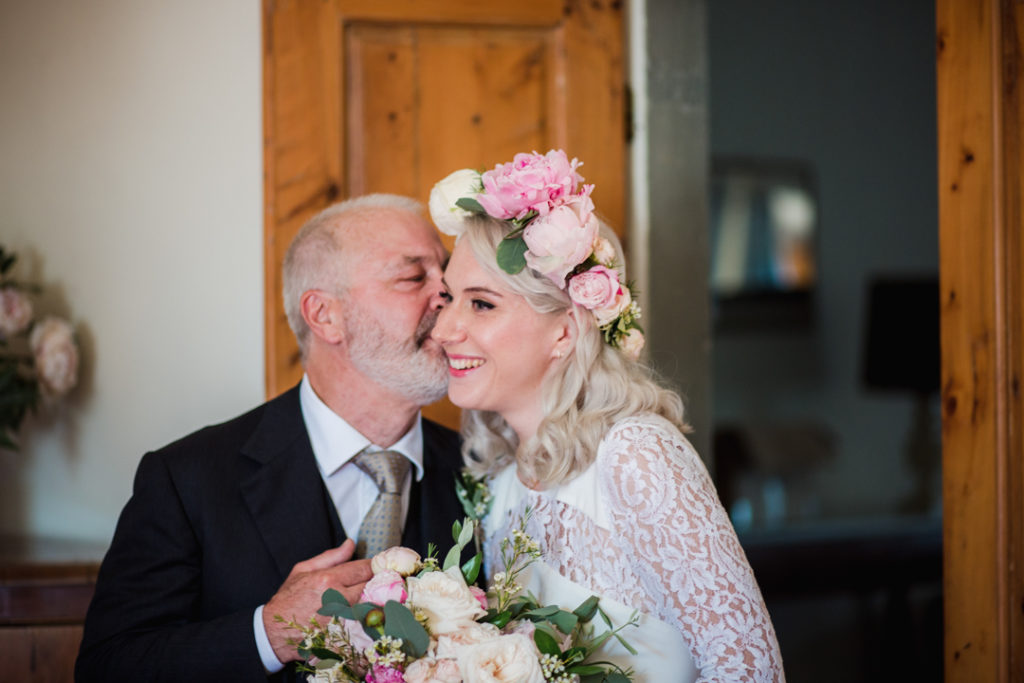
(419, 620)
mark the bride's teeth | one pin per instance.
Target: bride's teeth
(465, 363)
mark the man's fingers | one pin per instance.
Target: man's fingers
(354, 573)
(327, 559)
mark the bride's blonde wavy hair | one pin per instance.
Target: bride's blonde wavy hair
(596, 386)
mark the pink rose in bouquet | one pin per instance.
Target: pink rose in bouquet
(561, 240)
(530, 182)
(385, 585)
(595, 288)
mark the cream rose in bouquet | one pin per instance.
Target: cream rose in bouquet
(420, 620)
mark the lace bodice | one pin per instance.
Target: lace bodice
(643, 526)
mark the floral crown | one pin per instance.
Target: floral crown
(554, 231)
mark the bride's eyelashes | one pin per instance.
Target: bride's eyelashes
(446, 296)
(481, 305)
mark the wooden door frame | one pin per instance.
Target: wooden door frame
(979, 66)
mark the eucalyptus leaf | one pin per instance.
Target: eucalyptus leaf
(511, 254)
(452, 558)
(617, 677)
(467, 534)
(565, 621)
(456, 530)
(323, 653)
(399, 622)
(542, 612)
(585, 669)
(546, 643)
(470, 204)
(587, 609)
(335, 605)
(326, 663)
(471, 569)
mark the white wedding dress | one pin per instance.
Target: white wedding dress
(643, 529)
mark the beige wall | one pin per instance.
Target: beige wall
(130, 183)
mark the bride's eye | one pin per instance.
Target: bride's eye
(445, 296)
(481, 305)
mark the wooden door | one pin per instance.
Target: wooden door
(371, 96)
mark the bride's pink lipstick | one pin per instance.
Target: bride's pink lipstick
(460, 366)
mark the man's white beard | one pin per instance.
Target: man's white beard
(405, 366)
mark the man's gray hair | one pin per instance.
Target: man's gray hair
(313, 260)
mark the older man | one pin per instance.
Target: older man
(252, 519)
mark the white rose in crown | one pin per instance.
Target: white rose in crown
(446, 215)
(501, 660)
(53, 345)
(405, 561)
(445, 599)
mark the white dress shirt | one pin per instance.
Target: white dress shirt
(335, 442)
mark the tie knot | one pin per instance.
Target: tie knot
(387, 468)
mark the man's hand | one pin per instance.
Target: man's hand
(298, 598)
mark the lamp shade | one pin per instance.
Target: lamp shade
(901, 349)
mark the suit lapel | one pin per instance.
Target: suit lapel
(433, 506)
(284, 491)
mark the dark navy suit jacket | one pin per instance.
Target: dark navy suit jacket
(214, 525)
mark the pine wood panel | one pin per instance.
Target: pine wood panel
(365, 96)
(980, 185)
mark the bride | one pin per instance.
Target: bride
(542, 339)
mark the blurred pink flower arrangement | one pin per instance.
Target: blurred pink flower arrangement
(38, 356)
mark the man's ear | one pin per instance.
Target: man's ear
(323, 315)
(567, 332)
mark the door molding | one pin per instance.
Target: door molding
(979, 66)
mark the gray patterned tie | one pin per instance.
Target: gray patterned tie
(382, 526)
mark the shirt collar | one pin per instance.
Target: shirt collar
(335, 441)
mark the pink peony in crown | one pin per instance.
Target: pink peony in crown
(554, 232)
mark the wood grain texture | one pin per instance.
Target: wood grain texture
(980, 185)
(365, 96)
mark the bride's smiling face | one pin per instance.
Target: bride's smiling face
(499, 349)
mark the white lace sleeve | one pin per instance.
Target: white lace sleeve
(685, 554)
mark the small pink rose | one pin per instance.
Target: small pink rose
(561, 240)
(595, 288)
(605, 315)
(530, 182)
(387, 585)
(15, 312)
(480, 594)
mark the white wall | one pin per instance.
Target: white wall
(130, 183)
